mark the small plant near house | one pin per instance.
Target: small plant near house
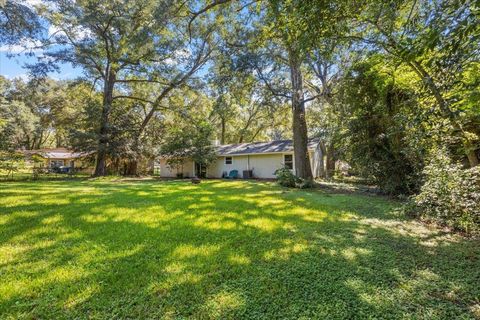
(286, 178)
(196, 180)
(450, 194)
(304, 183)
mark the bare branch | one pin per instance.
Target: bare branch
(203, 10)
(133, 98)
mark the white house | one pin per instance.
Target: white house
(256, 160)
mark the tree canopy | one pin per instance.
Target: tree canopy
(382, 85)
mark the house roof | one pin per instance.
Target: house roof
(57, 153)
(276, 146)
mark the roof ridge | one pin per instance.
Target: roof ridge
(235, 144)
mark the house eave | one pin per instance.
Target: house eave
(257, 153)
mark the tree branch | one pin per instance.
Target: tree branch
(133, 98)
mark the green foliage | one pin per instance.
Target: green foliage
(18, 22)
(376, 118)
(450, 194)
(41, 114)
(190, 141)
(286, 178)
(11, 162)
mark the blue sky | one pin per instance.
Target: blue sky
(14, 67)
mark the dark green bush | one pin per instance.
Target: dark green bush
(450, 194)
(286, 178)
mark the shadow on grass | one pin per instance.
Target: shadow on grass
(223, 250)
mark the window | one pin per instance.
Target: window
(56, 163)
(288, 161)
(228, 160)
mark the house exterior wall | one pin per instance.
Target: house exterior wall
(263, 166)
(167, 172)
(78, 163)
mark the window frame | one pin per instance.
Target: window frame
(231, 161)
(54, 163)
(289, 162)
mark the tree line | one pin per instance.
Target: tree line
(384, 85)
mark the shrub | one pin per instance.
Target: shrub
(450, 194)
(286, 178)
(304, 183)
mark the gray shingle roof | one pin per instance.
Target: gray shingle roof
(259, 147)
(57, 153)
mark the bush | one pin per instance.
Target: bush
(304, 183)
(286, 178)
(450, 195)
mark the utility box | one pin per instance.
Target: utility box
(247, 174)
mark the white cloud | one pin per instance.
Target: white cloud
(53, 30)
(79, 32)
(26, 46)
(32, 3)
(23, 76)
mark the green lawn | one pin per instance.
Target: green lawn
(173, 250)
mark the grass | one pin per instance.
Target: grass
(173, 250)
(26, 174)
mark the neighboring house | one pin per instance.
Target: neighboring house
(260, 159)
(60, 157)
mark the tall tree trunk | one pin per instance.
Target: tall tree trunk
(330, 161)
(300, 136)
(222, 135)
(131, 167)
(427, 79)
(101, 167)
(318, 161)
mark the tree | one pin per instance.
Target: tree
(287, 23)
(378, 110)
(327, 64)
(278, 21)
(17, 121)
(19, 24)
(11, 162)
(246, 109)
(437, 40)
(123, 42)
(191, 141)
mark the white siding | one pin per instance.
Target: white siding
(263, 165)
(167, 172)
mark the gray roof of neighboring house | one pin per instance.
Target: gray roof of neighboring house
(57, 153)
(276, 146)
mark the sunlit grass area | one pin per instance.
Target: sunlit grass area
(223, 249)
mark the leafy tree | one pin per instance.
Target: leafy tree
(244, 107)
(377, 112)
(192, 141)
(39, 114)
(18, 23)
(123, 42)
(438, 40)
(17, 121)
(286, 38)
